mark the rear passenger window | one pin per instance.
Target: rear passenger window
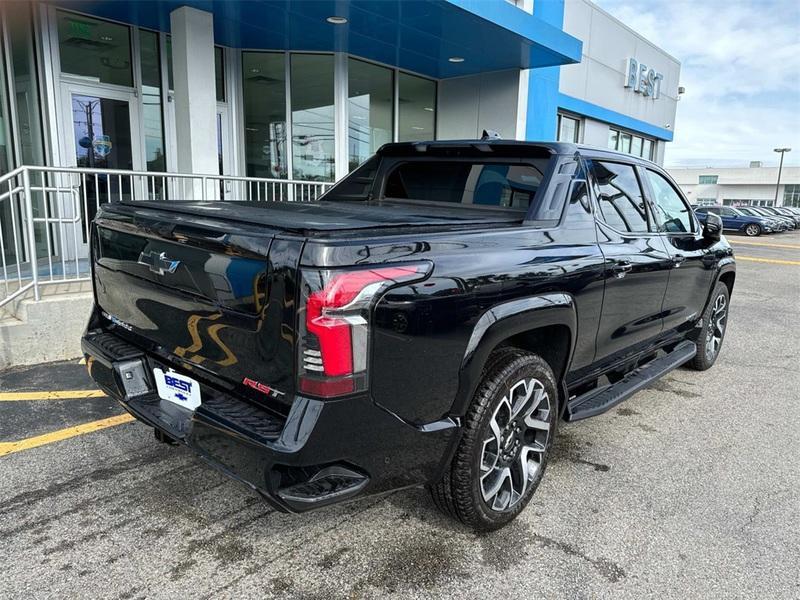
(619, 196)
(491, 184)
(673, 212)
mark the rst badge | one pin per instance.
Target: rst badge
(178, 389)
(158, 263)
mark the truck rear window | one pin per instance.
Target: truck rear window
(494, 184)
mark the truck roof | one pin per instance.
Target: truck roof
(505, 148)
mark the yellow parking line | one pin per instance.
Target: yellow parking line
(791, 246)
(73, 395)
(62, 434)
(773, 261)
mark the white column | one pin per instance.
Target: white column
(195, 96)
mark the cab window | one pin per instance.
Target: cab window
(672, 213)
(619, 196)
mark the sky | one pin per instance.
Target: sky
(740, 65)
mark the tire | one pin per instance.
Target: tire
(715, 324)
(517, 398)
(752, 230)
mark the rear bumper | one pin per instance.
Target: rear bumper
(321, 453)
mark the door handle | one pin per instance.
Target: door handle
(621, 268)
(677, 260)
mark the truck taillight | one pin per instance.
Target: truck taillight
(334, 325)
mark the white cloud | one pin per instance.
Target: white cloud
(741, 69)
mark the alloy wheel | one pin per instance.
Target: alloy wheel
(512, 452)
(751, 230)
(716, 326)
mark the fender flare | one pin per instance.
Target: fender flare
(503, 321)
(725, 265)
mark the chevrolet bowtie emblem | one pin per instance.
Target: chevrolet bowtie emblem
(158, 263)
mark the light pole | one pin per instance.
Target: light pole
(780, 168)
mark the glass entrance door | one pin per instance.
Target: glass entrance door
(104, 134)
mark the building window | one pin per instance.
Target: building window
(706, 201)
(313, 131)
(370, 109)
(629, 143)
(264, 102)
(416, 108)
(791, 195)
(707, 179)
(152, 120)
(94, 48)
(219, 72)
(568, 129)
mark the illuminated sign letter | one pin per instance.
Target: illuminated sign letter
(632, 74)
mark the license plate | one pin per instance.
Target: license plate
(179, 389)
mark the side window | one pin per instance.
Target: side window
(673, 213)
(619, 196)
(578, 208)
(727, 212)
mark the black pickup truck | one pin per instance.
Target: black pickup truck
(428, 321)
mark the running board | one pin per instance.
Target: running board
(598, 401)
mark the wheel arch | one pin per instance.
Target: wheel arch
(544, 324)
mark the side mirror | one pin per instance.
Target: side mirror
(712, 229)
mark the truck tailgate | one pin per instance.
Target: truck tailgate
(203, 294)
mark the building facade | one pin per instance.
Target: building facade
(746, 186)
(308, 90)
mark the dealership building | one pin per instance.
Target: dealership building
(170, 99)
(755, 185)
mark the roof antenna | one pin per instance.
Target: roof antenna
(490, 134)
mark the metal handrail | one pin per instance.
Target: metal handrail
(41, 219)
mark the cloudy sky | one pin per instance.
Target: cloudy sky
(740, 65)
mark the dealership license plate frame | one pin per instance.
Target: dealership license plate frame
(178, 389)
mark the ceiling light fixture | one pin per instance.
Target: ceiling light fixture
(428, 108)
(336, 20)
(456, 59)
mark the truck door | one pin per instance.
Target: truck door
(693, 262)
(636, 260)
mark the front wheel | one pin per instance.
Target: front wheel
(715, 322)
(508, 433)
(752, 230)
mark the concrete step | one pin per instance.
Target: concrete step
(44, 331)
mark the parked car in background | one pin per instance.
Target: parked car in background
(781, 223)
(736, 220)
(776, 225)
(788, 213)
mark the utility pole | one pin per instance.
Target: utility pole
(782, 151)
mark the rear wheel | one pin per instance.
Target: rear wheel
(752, 230)
(508, 433)
(715, 322)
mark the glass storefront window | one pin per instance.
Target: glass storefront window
(647, 149)
(313, 157)
(264, 91)
(219, 73)
(568, 129)
(613, 138)
(636, 146)
(370, 106)
(151, 102)
(94, 48)
(26, 87)
(417, 108)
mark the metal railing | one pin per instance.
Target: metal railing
(46, 213)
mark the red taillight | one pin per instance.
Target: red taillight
(334, 336)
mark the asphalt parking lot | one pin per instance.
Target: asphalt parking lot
(689, 489)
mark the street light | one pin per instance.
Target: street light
(780, 168)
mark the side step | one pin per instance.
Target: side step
(600, 400)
